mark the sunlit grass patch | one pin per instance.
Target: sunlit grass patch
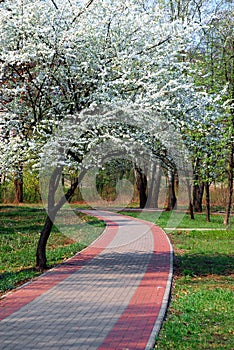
(165, 218)
(19, 232)
(200, 316)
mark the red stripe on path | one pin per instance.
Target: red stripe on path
(27, 293)
(133, 329)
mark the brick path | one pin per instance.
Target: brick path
(112, 295)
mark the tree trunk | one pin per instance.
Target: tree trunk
(18, 186)
(53, 208)
(154, 186)
(230, 187)
(41, 261)
(207, 188)
(141, 182)
(198, 191)
(18, 191)
(191, 211)
(4, 198)
(151, 179)
(171, 197)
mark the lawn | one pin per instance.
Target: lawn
(178, 219)
(19, 230)
(200, 315)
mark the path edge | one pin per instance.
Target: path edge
(165, 303)
(167, 294)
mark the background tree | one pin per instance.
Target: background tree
(215, 64)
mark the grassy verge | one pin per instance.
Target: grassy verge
(19, 232)
(165, 219)
(200, 315)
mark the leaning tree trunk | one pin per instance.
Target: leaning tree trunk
(53, 208)
(41, 261)
(230, 187)
(141, 182)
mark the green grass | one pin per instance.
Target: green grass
(19, 232)
(162, 219)
(200, 315)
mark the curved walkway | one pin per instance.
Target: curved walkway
(112, 295)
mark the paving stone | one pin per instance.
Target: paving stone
(107, 297)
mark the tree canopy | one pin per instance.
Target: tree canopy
(84, 78)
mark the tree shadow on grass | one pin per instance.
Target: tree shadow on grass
(14, 229)
(19, 211)
(11, 280)
(203, 265)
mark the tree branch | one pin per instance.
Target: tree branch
(155, 45)
(55, 5)
(81, 12)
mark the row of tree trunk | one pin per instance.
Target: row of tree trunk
(148, 187)
(149, 190)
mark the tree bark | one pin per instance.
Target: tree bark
(153, 194)
(18, 191)
(41, 261)
(53, 208)
(198, 191)
(171, 197)
(18, 186)
(191, 210)
(207, 188)
(230, 187)
(141, 182)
